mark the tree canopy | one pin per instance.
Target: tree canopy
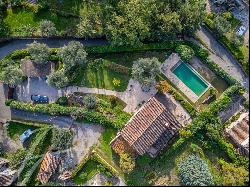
(186, 53)
(144, 70)
(72, 54)
(58, 79)
(39, 52)
(12, 75)
(47, 28)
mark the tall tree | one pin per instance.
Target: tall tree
(39, 52)
(145, 70)
(12, 76)
(192, 14)
(129, 23)
(72, 54)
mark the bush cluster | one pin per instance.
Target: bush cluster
(194, 171)
(82, 113)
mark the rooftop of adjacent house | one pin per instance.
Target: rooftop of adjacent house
(31, 69)
(7, 176)
(48, 166)
(238, 131)
(143, 130)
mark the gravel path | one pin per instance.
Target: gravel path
(132, 96)
(86, 135)
(223, 58)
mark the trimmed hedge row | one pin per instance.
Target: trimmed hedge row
(98, 158)
(82, 163)
(55, 109)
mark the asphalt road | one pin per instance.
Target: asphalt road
(21, 43)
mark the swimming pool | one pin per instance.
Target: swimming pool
(190, 78)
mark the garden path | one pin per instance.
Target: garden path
(132, 96)
(86, 135)
(222, 57)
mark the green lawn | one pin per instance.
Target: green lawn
(87, 172)
(101, 78)
(15, 129)
(17, 18)
(163, 169)
(127, 59)
(105, 140)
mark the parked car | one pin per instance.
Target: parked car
(241, 30)
(39, 98)
(25, 135)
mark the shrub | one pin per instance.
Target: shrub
(61, 139)
(186, 53)
(127, 162)
(163, 87)
(90, 101)
(82, 113)
(63, 101)
(233, 175)
(118, 68)
(116, 82)
(16, 158)
(193, 171)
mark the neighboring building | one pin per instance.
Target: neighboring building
(151, 129)
(7, 176)
(238, 133)
(48, 166)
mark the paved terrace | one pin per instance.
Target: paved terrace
(166, 69)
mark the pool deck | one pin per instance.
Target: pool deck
(166, 69)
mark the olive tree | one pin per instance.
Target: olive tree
(72, 54)
(12, 76)
(47, 28)
(144, 70)
(39, 52)
(58, 79)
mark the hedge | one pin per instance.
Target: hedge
(98, 158)
(82, 163)
(55, 110)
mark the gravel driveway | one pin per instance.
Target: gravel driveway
(223, 58)
(34, 86)
(86, 135)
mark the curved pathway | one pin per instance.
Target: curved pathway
(132, 96)
(223, 58)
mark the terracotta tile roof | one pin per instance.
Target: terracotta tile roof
(48, 167)
(238, 132)
(147, 125)
(7, 177)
